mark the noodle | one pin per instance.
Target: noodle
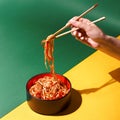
(48, 52)
(48, 88)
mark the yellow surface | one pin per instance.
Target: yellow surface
(97, 80)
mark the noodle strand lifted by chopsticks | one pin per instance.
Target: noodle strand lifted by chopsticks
(48, 52)
(49, 43)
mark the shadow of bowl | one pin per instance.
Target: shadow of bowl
(75, 103)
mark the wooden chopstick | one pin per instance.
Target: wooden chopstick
(65, 33)
(84, 13)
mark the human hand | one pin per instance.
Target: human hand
(88, 32)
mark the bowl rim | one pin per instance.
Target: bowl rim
(27, 90)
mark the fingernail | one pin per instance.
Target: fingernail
(79, 34)
(74, 33)
(82, 38)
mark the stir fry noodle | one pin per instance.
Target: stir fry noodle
(48, 45)
(48, 88)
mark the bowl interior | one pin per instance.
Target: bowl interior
(62, 78)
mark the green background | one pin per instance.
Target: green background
(24, 23)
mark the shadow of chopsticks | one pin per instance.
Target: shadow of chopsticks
(89, 90)
(115, 74)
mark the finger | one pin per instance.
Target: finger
(69, 22)
(82, 23)
(76, 32)
(75, 23)
(88, 41)
(92, 43)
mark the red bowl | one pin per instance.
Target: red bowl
(47, 106)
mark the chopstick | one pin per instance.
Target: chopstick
(84, 13)
(65, 33)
